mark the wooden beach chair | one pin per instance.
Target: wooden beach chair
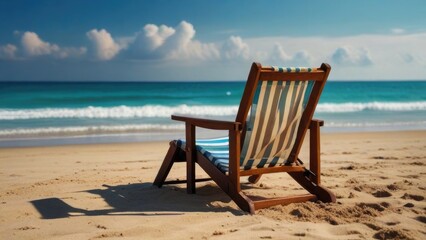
(281, 102)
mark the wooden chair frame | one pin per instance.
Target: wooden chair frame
(230, 182)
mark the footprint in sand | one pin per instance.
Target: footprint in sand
(386, 158)
(409, 205)
(411, 176)
(381, 194)
(413, 196)
(350, 167)
(385, 204)
(393, 187)
(300, 234)
(26, 228)
(391, 234)
(110, 235)
(217, 233)
(372, 226)
(101, 227)
(392, 223)
(421, 219)
(374, 206)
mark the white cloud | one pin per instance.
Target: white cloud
(183, 35)
(236, 48)
(150, 39)
(302, 58)
(163, 42)
(8, 51)
(181, 45)
(280, 56)
(278, 53)
(195, 50)
(105, 48)
(352, 57)
(157, 35)
(35, 46)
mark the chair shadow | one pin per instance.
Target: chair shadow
(140, 199)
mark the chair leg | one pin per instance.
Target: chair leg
(167, 164)
(321, 192)
(315, 151)
(230, 188)
(243, 202)
(190, 158)
(254, 178)
(324, 194)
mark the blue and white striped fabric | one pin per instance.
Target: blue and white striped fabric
(215, 149)
(276, 111)
(291, 69)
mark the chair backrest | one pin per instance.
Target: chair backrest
(281, 102)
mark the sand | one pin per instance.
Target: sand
(105, 192)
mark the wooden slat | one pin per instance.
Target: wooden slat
(167, 164)
(283, 200)
(247, 98)
(208, 123)
(190, 158)
(301, 76)
(234, 159)
(248, 95)
(258, 171)
(314, 151)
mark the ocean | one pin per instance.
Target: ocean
(50, 113)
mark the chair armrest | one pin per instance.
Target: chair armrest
(209, 123)
(316, 121)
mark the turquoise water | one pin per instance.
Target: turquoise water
(119, 109)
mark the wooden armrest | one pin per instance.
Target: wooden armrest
(314, 121)
(209, 123)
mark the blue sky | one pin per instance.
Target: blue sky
(209, 40)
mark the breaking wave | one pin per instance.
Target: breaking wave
(161, 111)
(131, 128)
(117, 112)
(371, 106)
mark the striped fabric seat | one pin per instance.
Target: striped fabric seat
(215, 149)
(274, 120)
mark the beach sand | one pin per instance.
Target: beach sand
(105, 191)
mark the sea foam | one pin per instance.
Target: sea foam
(103, 129)
(161, 111)
(371, 106)
(117, 112)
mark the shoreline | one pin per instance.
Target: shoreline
(105, 191)
(140, 137)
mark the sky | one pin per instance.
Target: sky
(191, 40)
